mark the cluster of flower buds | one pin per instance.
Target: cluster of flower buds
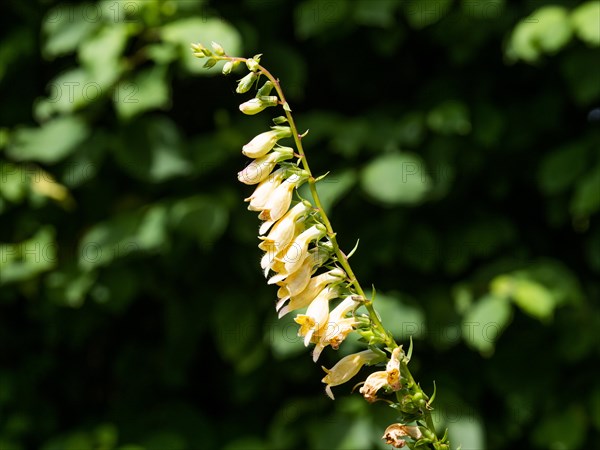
(300, 257)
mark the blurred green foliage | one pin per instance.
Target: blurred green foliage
(463, 144)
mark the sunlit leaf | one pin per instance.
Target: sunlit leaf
(49, 143)
(396, 178)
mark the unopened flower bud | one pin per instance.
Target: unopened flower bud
(256, 105)
(246, 83)
(252, 64)
(199, 50)
(217, 48)
(209, 63)
(227, 67)
(265, 89)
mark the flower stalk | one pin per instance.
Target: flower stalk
(300, 240)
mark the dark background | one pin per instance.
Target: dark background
(462, 139)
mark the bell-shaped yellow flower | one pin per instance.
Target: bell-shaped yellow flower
(264, 191)
(259, 169)
(280, 199)
(256, 105)
(316, 315)
(296, 252)
(283, 231)
(389, 378)
(346, 368)
(337, 328)
(264, 142)
(303, 299)
(394, 434)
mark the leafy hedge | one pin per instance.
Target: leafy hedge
(462, 139)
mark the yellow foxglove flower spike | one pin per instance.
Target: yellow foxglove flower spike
(346, 368)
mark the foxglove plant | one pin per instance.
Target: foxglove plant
(314, 276)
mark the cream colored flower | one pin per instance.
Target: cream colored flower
(295, 253)
(279, 201)
(315, 258)
(390, 378)
(256, 105)
(303, 299)
(373, 383)
(346, 368)
(337, 328)
(395, 433)
(393, 369)
(264, 142)
(316, 315)
(259, 169)
(264, 191)
(283, 231)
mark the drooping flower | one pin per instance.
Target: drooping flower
(346, 368)
(337, 328)
(303, 299)
(316, 315)
(389, 378)
(264, 142)
(296, 252)
(259, 169)
(279, 201)
(394, 434)
(263, 192)
(282, 232)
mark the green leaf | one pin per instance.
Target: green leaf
(549, 432)
(465, 429)
(66, 27)
(183, 32)
(451, 117)
(531, 296)
(313, 17)
(14, 182)
(485, 321)
(546, 30)
(396, 178)
(49, 143)
(123, 235)
(149, 89)
(199, 217)
(424, 13)
(560, 168)
(151, 149)
(101, 53)
(586, 22)
(586, 199)
(401, 317)
(333, 187)
(26, 260)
